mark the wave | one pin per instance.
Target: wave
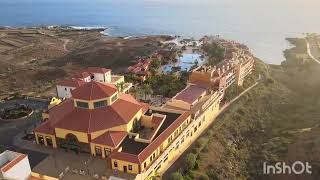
(88, 27)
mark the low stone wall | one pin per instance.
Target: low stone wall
(37, 175)
(24, 117)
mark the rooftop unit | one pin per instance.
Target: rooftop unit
(14, 165)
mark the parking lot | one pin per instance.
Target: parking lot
(12, 131)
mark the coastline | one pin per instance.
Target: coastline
(264, 50)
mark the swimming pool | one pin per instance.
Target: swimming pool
(186, 61)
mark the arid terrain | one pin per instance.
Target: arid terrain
(33, 60)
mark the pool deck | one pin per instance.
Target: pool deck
(187, 64)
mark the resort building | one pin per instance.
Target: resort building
(225, 73)
(97, 113)
(100, 120)
(14, 165)
(244, 68)
(141, 69)
(134, 137)
(103, 75)
(218, 78)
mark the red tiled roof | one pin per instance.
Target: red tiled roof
(94, 90)
(111, 138)
(66, 116)
(58, 112)
(203, 84)
(82, 75)
(140, 66)
(72, 83)
(135, 70)
(98, 70)
(45, 128)
(145, 107)
(190, 94)
(125, 157)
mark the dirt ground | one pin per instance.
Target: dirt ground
(33, 60)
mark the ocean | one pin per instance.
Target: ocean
(261, 24)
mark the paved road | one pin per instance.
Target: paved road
(313, 49)
(9, 130)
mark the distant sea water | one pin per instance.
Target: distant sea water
(261, 24)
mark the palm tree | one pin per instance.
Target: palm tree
(163, 91)
(140, 91)
(147, 90)
(134, 92)
(120, 86)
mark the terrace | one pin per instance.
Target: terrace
(133, 146)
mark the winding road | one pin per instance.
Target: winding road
(313, 49)
(66, 41)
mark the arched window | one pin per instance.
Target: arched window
(72, 142)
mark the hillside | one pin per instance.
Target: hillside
(279, 120)
(33, 60)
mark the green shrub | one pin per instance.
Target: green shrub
(176, 176)
(212, 174)
(190, 161)
(203, 177)
(202, 142)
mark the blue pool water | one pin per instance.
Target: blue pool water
(186, 61)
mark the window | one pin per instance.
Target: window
(165, 159)
(107, 151)
(150, 158)
(154, 155)
(115, 164)
(82, 104)
(98, 151)
(130, 167)
(115, 97)
(177, 145)
(145, 164)
(49, 141)
(176, 133)
(65, 89)
(40, 139)
(99, 104)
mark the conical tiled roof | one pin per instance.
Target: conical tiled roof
(94, 90)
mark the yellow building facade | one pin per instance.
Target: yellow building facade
(134, 137)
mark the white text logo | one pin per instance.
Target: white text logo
(297, 167)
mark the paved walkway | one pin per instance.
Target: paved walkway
(310, 53)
